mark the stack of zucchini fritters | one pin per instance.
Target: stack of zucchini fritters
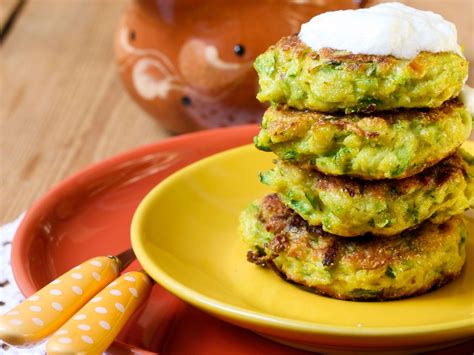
(370, 179)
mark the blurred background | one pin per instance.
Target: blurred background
(82, 80)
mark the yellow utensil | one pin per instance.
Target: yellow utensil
(49, 308)
(94, 328)
(96, 325)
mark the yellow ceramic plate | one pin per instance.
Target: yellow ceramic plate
(185, 235)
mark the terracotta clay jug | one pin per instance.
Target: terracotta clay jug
(189, 62)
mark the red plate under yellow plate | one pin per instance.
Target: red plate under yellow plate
(90, 213)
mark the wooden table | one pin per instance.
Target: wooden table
(62, 104)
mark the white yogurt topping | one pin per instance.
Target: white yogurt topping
(386, 29)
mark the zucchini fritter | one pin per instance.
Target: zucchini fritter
(350, 207)
(391, 145)
(363, 268)
(292, 73)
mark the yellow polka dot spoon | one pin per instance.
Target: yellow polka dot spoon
(84, 309)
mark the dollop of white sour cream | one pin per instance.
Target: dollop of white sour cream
(387, 29)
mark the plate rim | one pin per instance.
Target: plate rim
(240, 314)
(90, 172)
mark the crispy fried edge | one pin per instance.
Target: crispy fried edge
(273, 202)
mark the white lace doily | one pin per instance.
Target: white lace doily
(10, 294)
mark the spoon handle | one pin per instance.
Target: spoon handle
(96, 325)
(48, 309)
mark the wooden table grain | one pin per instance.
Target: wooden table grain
(62, 105)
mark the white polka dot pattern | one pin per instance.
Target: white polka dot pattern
(115, 292)
(87, 339)
(96, 299)
(45, 312)
(133, 291)
(103, 318)
(79, 316)
(100, 310)
(104, 324)
(119, 307)
(37, 321)
(57, 306)
(77, 290)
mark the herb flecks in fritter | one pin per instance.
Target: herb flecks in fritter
(328, 80)
(351, 207)
(362, 268)
(385, 145)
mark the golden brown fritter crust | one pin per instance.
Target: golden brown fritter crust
(331, 80)
(294, 237)
(441, 173)
(329, 292)
(383, 145)
(351, 207)
(365, 252)
(295, 44)
(286, 118)
(402, 142)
